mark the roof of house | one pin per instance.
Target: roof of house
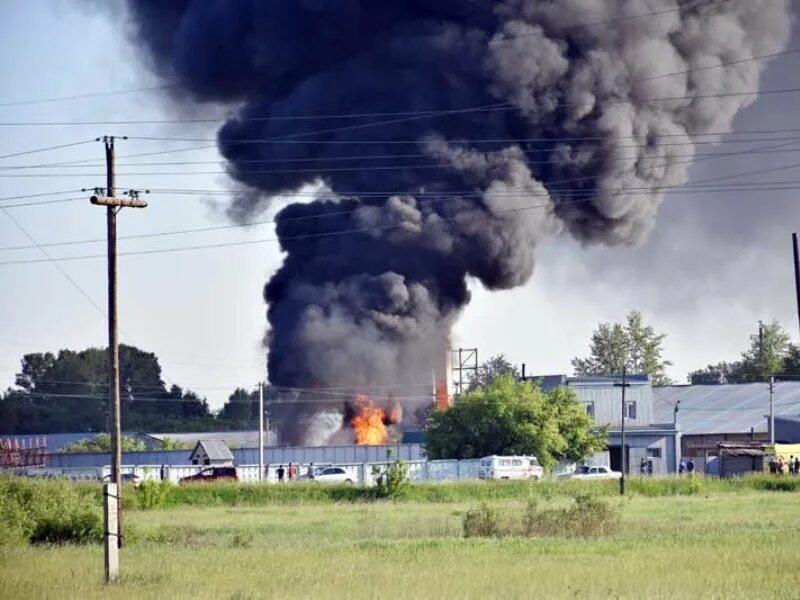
(238, 439)
(549, 382)
(726, 408)
(215, 449)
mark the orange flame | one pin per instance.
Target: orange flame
(369, 423)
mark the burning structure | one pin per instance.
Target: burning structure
(429, 142)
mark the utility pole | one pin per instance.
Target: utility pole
(113, 206)
(623, 385)
(260, 432)
(761, 365)
(796, 251)
(771, 411)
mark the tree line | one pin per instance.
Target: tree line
(67, 392)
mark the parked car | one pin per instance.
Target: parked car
(330, 475)
(510, 467)
(587, 472)
(126, 478)
(213, 474)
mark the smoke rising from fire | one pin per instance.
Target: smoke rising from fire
(570, 140)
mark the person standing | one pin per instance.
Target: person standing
(791, 465)
(681, 467)
(311, 471)
(163, 472)
(797, 465)
(292, 472)
(281, 472)
(690, 466)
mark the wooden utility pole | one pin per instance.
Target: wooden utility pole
(261, 432)
(113, 206)
(623, 385)
(796, 252)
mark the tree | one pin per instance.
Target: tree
(770, 353)
(102, 443)
(172, 444)
(768, 349)
(514, 418)
(490, 369)
(632, 345)
(68, 392)
(241, 409)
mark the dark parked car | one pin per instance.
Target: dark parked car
(214, 474)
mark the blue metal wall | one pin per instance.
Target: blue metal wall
(249, 456)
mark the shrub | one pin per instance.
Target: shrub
(152, 494)
(81, 525)
(483, 521)
(48, 512)
(588, 517)
(394, 482)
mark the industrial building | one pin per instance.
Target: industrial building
(649, 438)
(710, 414)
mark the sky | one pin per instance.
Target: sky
(713, 266)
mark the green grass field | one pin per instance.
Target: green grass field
(720, 543)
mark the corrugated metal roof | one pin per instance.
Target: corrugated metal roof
(727, 408)
(239, 439)
(216, 449)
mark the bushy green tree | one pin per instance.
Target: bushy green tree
(770, 353)
(102, 443)
(631, 344)
(509, 417)
(488, 370)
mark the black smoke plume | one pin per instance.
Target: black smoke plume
(557, 121)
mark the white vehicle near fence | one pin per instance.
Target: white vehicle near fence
(590, 473)
(510, 467)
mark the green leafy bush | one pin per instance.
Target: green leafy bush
(394, 482)
(483, 521)
(48, 512)
(589, 516)
(152, 494)
(77, 525)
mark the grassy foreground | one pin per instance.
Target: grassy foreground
(713, 544)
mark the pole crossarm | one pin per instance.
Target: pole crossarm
(121, 202)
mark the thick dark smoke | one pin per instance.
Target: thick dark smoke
(570, 140)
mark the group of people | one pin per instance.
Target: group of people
(777, 466)
(686, 467)
(291, 472)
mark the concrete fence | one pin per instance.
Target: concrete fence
(359, 473)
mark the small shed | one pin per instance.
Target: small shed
(213, 453)
(737, 458)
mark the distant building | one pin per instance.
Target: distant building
(710, 414)
(233, 439)
(654, 440)
(213, 453)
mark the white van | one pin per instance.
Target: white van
(510, 467)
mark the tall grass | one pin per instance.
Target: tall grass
(228, 494)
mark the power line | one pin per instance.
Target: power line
(51, 260)
(25, 196)
(87, 95)
(293, 238)
(47, 148)
(422, 113)
(377, 157)
(794, 186)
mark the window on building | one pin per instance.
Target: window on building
(590, 409)
(654, 452)
(630, 410)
